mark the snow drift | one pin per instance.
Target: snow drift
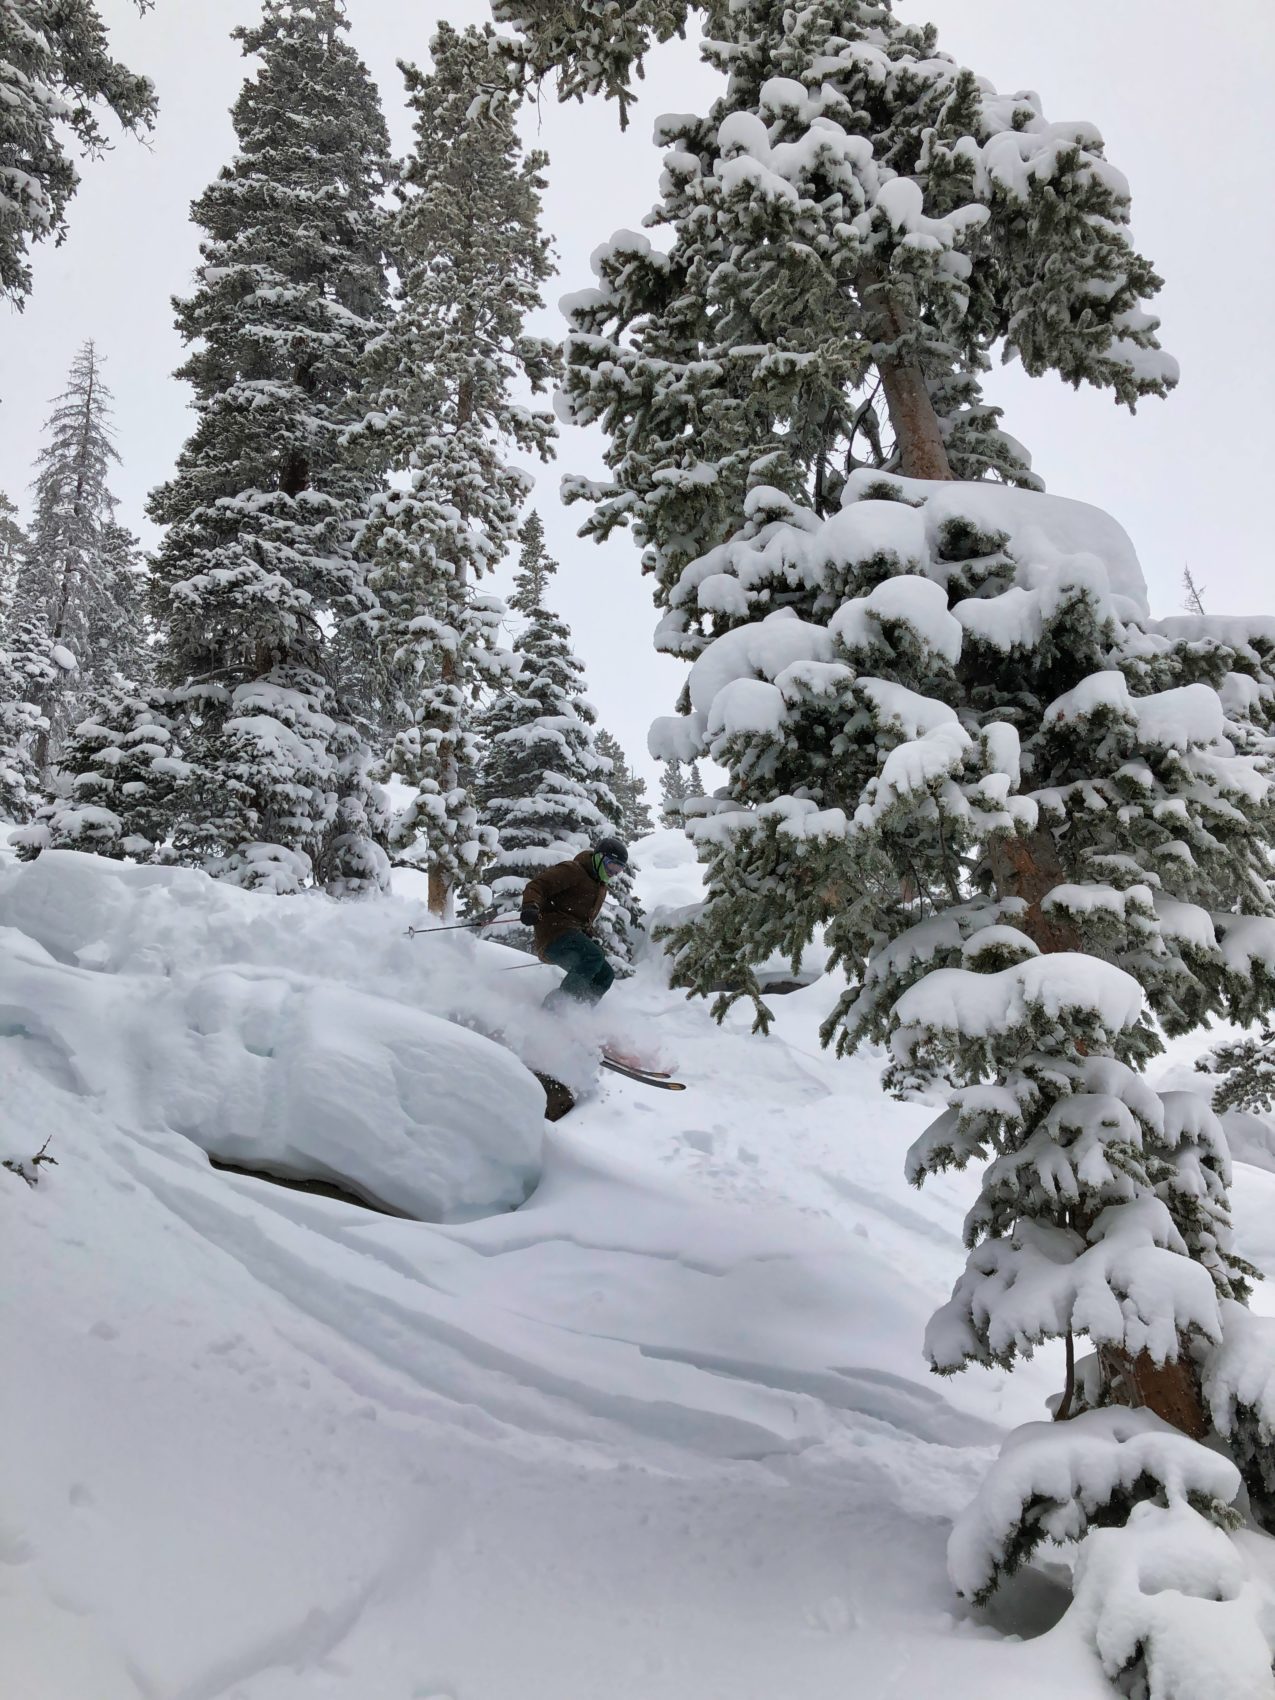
(663, 1431)
(111, 977)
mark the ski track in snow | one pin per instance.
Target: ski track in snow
(661, 1433)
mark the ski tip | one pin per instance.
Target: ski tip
(662, 1082)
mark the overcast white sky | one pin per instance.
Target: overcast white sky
(1181, 94)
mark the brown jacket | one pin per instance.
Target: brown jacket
(570, 898)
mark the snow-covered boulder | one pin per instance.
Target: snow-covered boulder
(111, 985)
(321, 1082)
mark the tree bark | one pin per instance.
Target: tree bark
(70, 577)
(1029, 867)
(1069, 1387)
(916, 426)
(439, 895)
(1171, 1391)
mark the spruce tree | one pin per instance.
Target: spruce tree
(678, 786)
(1028, 820)
(124, 772)
(623, 919)
(673, 793)
(28, 675)
(1028, 817)
(56, 74)
(14, 544)
(857, 217)
(545, 788)
(74, 596)
(628, 790)
(471, 262)
(258, 563)
(127, 640)
(1245, 1071)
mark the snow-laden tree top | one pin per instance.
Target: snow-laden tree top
(56, 74)
(257, 566)
(446, 387)
(842, 244)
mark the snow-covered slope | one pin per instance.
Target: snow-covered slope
(661, 1432)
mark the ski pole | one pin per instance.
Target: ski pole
(461, 926)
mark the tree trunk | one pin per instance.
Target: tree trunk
(1030, 867)
(440, 890)
(1171, 1391)
(907, 396)
(72, 569)
(439, 898)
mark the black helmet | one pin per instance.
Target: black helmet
(612, 850)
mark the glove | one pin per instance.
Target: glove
(530, 914)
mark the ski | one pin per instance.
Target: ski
(643, 1079)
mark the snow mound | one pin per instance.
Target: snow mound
(671, 879)
(1052, 1478)
(663, 1432)
(107, 987)
(1170, 1597)
(1250, 1138)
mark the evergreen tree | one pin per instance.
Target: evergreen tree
(28, 675)
(13, 547)
(1245, 1070)
(1027, 819)
(73, 595)
(471, 261)
(127, 645)
(673, 793)
(678, 786)
(120, 750)
(622, 921)
(545, 787)
(56, 73)
(258, 563)
(857, 217)
(953, 737)
(1193, 595)
(628, 790)
(127, 772)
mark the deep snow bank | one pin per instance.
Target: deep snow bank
(194, 1008)
(664, 1432)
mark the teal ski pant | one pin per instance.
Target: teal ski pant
(589, 974)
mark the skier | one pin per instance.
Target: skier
(562, 904)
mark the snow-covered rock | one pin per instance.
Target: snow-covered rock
(111, 977)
